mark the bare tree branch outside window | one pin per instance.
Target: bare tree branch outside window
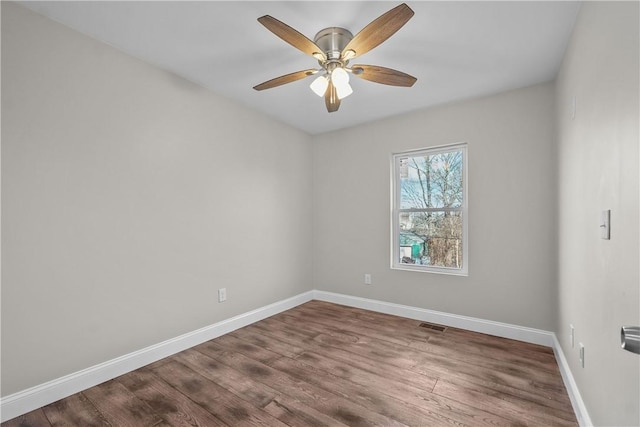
(430, 211)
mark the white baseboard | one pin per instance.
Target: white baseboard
(27, 400)
(33, 398)
(570, 384)
(520, 333)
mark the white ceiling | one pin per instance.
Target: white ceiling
(457, 50)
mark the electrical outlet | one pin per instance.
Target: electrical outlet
(367, 279)
(581, 354)
(222, 294)
(573, 335)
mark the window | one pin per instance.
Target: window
(429, 224)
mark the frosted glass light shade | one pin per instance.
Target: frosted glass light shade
(343, 90)
(339, 76)
(340, 79)
(319, 85)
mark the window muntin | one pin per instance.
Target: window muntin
(429, 210)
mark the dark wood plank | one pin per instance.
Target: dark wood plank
(35, 418)
(286, 409)
(120, 407)
(515, 410)
(407, 332)
(300, 336)
(167, 402)
(446, 346)
(423, 409)
(321, 400)
(75, 410)
(256, 352)
(379, 356)
(547, 390)
(294, 413)
(378, 324)
(500, 372)
(336, 327)
(275, 346)
(466, 341)
(385, 368)
(539, 386)
(395, 325)
(217, 400)
(241, 385)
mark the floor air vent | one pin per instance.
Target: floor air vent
(439, 328)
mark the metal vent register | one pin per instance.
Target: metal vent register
(433, 326)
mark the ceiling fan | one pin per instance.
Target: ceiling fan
(334, 47)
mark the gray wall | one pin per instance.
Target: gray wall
(512, 249)
(599, 284)
(129, 196)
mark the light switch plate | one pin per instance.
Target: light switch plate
(605, 229)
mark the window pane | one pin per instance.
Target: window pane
(433, 239)
(431, 181)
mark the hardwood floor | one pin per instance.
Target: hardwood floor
(322, 364)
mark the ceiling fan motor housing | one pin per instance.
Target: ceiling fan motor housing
(332, 41)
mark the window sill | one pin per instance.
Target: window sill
(436, 270)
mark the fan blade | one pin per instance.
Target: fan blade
(331, 99)
(287, 78)
(386, 76)
(293, 37)
(379, 30)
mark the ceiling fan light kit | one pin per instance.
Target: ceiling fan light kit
(333, 48)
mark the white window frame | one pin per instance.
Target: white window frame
(395, 211)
